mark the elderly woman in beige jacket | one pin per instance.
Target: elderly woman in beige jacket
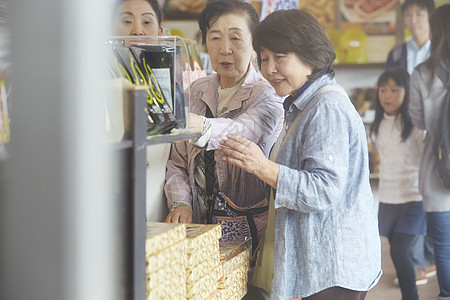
(239, 100)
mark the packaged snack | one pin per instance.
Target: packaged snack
(162, 235)
(202, 235)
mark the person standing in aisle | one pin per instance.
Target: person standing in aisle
(408, 55)
(414, 51)
(326, 241)
(236, 99)
(400, 217)
(427, 95)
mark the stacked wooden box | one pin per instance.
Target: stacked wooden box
(235, 259)
(165, 252)
(202, 260)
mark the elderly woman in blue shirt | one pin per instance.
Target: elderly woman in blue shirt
(326, 243)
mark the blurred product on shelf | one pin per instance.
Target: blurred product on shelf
(177, 32)
(369, 9)
(363, 99)
(325, 11)
(206, 63)
(350, 45)
(335, 38)
(183, 9)
(353, 46)
(374, 162)
(195, 61)
(4, 116)
(128, 62)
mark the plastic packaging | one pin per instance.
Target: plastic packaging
(159, 63)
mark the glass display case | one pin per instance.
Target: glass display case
(160, 63)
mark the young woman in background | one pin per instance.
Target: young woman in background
(427, 95)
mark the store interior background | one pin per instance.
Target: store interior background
(58, 231)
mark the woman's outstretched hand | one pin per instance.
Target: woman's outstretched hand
(246, 155)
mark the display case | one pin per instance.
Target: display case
(148, 76)
(133, 193)
(161, 64)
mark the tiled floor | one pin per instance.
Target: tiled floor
(386, 290)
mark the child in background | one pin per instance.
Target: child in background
(401, 217)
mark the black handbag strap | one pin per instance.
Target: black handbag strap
(210, 164)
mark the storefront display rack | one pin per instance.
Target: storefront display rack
(168, 59)
(133, 150)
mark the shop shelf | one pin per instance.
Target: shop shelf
(170, 138)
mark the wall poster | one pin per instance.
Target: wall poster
(182, 9)
(363, 31)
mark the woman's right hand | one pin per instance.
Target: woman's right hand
(180, 214)
(246, 155)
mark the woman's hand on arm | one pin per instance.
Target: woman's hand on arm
(180, 214)
(258, 122)
(246, 155)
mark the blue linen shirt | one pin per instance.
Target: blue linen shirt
(326, 228)
(416, 54)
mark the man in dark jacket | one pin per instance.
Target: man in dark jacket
(413, 52)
